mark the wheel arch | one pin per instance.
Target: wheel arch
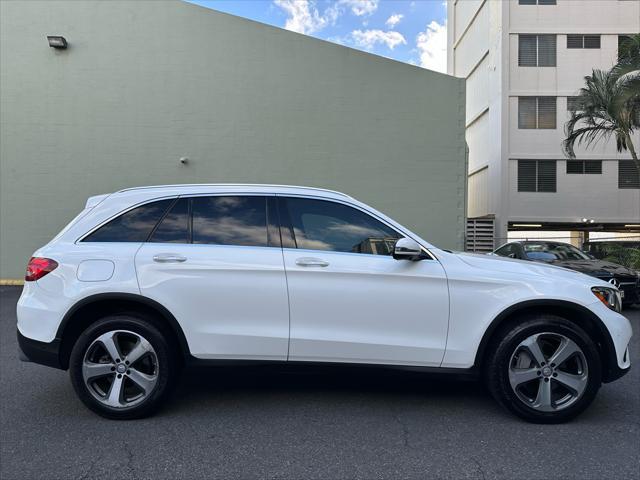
(90, 309)
(572, 312)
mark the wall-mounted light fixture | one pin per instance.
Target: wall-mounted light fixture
(588, 220)
(57, 42)
(528, 225)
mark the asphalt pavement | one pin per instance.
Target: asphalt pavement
(284, 423)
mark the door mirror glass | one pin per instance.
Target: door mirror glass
(407, 249)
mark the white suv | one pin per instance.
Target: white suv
(148, 279)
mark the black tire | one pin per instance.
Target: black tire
(503, 347)
(166, 368)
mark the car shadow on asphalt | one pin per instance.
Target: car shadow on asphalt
(200, 386)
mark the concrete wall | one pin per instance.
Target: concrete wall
(475, 40)
(145, 83)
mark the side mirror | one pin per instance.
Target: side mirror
(407, 249)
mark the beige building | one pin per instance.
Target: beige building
(524, 60)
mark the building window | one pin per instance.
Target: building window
(574, 104)
(537, 112)
(536, 175)
(537, 2)
(628, 175)
(593, 167)
(583, 41)
(536, 50)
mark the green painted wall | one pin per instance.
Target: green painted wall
(145, 83)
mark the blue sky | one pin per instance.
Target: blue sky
(411, 31)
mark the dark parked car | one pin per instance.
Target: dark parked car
(567, 256)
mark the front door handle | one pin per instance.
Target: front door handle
(169, 258)
(311, 262)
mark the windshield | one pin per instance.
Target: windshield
(553, 251)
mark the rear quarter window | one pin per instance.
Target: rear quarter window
(133, 226)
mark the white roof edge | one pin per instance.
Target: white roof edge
(244, 185)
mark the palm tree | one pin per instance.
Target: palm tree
(609, 104)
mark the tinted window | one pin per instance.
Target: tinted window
(553, 251)
(132, 226)
(230, 221)
(174, 227)
(322, 225)
(507, 251)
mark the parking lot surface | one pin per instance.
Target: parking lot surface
(281, 423)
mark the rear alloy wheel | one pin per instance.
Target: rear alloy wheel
(544, 369)
(122, 367)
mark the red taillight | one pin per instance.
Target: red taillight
(38, 267)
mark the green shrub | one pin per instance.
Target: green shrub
(627, 256)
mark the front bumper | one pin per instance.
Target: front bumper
(631, 294)
(614, 372)
(616, 333)
(39, 352)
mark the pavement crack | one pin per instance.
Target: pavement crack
(405, 431)
(480, 469)
(129, 465)
(85, 474)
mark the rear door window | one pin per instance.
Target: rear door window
(175, 226)
(230, 220)
(132, 226)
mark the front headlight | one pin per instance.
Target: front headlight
(609, 296)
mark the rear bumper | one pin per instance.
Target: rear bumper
(39, 352)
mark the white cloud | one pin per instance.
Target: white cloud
(361, 7)
(393, 20)
(368, 38)
(432, 46)
(304, 17)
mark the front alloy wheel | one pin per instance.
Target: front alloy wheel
(543, 368)
(548, 372)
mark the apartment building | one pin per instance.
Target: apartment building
(525, 61)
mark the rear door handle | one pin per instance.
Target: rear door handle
(169, 258)
(311, 262)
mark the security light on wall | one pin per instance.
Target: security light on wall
(57, 42)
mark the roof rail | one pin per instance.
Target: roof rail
(234, 185)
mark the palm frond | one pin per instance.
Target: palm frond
(608, 104)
